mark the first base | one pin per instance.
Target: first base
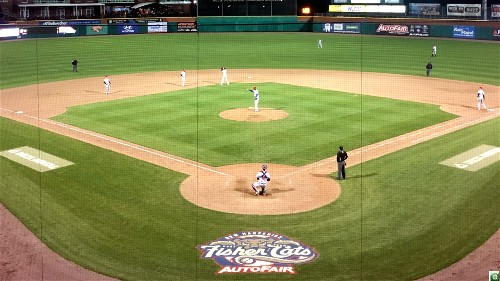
(489, 109)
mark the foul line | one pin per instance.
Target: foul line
(400, 138)
(117, 142)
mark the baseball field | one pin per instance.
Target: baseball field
(154, 170)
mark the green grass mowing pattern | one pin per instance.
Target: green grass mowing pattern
(186, 123)
(394, 219)
(46, 60)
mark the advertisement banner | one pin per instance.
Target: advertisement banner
(157, 27)
(69, 22)
(387, 9)
(464, 10)
(393, 29)
(353, 28)
(186, 27)
(419, 30)
(67, 30)
(424, 9)
(495, 11)
(97, 30)
(460, 31)
(496, 33)
(128, 29)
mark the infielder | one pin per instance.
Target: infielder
(183, 78)
(480, 98)
(263, 177)
(107, 84)
(434, 51)
(256, 98)
(224, 75)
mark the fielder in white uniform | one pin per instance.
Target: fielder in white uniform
(107, 84)
(262, 178)
(183, 78)
(320, 43)
(256, 98)
(480, 98)
(224, 75)
(434, 50)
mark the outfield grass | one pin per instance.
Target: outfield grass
(395, 220)
(186, 123)
(50, 59)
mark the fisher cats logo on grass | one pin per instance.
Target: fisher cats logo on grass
(257, 252)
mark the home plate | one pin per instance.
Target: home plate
(19, 112)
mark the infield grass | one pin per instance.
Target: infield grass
(133, 223)
(38, 61)
(186, 123)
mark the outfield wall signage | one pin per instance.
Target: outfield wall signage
(495, 11)
(257, 252)
(468, 32)
(369, 9)
(393, 29)
(419, 30)
(186, 27)
(424, 9)
(157, 27)
(69, 22)
(464, 10)
(97, 30)
(496, 33)
(128, 29)
(342, 28)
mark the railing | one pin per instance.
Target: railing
(51, 1)
(116, 1)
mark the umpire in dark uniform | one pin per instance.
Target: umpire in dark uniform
(341, 157)
(428, 69)
(75, 65)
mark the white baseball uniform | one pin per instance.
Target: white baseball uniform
(183, 78)
(434, 50)
(262, 178)
(480, 99)
(107, 85)
(320, 43)
(224, 76)
(256, 99)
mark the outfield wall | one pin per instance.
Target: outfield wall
(459, 29)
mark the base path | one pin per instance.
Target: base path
(292, 190)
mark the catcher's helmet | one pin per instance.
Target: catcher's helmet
(264, 167)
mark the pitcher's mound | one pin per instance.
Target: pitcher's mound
(249, 115)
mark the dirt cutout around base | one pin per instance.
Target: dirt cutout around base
(292, 189)
(250, 115)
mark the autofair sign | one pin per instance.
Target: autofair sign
(393, 29)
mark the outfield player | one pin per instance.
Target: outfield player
(224, 75)
(320, 43)
(255, 98)
(107, 85)
(263, 177)
(434, 51)
(183, 77)
(480, 98)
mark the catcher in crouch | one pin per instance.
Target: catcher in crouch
(262, 178)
